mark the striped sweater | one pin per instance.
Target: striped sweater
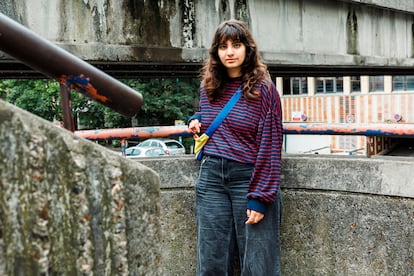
(251, 133)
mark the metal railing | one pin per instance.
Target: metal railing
(380, 130)
(378, 134)
(70, 71)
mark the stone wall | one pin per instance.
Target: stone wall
(341, 215)
(71, 207)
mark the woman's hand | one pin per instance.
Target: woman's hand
(254, 217)
(194, 126)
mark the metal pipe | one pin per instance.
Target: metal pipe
(26, 46)
(134, 133)
(388, 130)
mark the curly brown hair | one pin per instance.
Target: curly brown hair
(214, 73)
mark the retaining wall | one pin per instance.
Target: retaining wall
(341, 215)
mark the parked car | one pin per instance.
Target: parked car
(169, 146)
(139, 152)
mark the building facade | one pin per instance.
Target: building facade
(346, 99)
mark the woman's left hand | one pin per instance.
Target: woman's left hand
(253, 217)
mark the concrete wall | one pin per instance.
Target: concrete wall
(71, 207)
(341, 215)
(322, 32)
(387, 4)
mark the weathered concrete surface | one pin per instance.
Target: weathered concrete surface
(297, 32)
(178, 235)
(341, 215)
(387, 4)
(71, 207)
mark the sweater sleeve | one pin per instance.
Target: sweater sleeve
(265, 180)
(197, 116)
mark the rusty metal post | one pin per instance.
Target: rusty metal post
(67, 113)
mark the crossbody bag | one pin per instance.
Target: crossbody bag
(201, 140)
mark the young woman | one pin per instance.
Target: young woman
(238, 199)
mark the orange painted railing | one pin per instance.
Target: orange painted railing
(134, 133)
(384, 130)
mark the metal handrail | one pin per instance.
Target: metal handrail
(374, 129)
(385, 130)
(70, 71)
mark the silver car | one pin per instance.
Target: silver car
(139, 152)
(169, 146)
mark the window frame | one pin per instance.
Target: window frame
(404, 83)
(374, 82)
(289, 85)
(355, 80)
(337, 82)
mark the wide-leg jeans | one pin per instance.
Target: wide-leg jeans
(221, 203)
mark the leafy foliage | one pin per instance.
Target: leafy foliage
(165, 100)
(39, 97)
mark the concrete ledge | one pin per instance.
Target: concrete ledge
(380, 175)
(391, 176)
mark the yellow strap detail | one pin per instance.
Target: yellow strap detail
(200, 141)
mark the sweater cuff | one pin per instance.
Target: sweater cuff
(257, 205)
(195, 116)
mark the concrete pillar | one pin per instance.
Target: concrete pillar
(347, 85)
(387, 84)
(311, 86)
(279, 85)
(364, 84)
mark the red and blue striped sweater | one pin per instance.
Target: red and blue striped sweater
(251, 133)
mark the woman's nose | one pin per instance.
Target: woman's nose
(229, 50)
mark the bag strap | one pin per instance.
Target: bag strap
(224, 112)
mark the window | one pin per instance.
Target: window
(330, 85)
(376, 84)
(355, 84)
(295, 86)
(402, 83)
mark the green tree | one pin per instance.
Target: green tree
(39, 97)
(165, 100)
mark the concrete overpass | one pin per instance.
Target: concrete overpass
(130, 39)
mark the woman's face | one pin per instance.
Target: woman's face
(232, 55)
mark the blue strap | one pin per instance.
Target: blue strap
(223, 113)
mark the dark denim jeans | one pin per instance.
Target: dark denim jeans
(221, 215)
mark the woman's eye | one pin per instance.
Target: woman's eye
(222, 46)
(237, 45)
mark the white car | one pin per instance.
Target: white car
(139, 152)
(169, 146)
